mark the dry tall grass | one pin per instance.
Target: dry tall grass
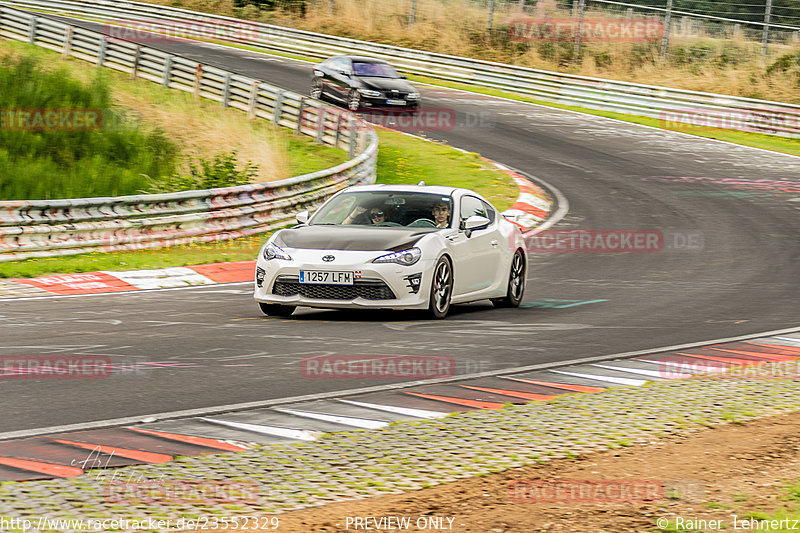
(204, 129)
(730, 65)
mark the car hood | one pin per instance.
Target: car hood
(387, 84)
(349, 238)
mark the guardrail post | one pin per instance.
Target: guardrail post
(413, 15)
(101, 53)
(226, 90)
(276, 114)
(765, 38)
(320, 125)
(667, 29)
(351, 149)
(491, 16)
(198, 76)
(167, 71)
(338, 130)
(300, 110)
(137, 55)
(251, 105)
(581, 9)
(32, 30)
(67, 50)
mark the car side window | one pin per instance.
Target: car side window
(491, 214)
(335, 64)
(471, 206)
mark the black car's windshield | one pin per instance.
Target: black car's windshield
(374, 70)
(386, 209)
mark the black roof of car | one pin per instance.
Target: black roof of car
(365, 59)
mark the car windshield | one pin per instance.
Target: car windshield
(386, 209)
(374, 70)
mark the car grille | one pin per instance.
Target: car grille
(369, 289)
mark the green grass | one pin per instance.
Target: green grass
(53, 163)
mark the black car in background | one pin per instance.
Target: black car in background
(363, 82)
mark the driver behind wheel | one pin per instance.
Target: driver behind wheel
(441, 214)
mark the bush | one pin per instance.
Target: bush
(222, 171)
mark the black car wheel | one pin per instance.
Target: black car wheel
(354, 100)
(516, 283)
(441, 289)
(276, 309)
(316, 88)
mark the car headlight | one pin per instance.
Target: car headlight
(403, 257)
(370, 93)
(273, 251)
(413, 96)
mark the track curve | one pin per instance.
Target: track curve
(743, 279)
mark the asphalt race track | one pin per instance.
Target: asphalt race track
(728, 267)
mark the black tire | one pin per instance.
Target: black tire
(316, 89)
(516, 283)
(441, 289)
(354, 100)
(276, 309)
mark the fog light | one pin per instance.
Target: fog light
(414, 282)
(260, 273)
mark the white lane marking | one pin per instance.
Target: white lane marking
(607, 379)
(141, 291)
(162, 278)
(296, 434)
(407, 411)
(643, 372)
(336, 419)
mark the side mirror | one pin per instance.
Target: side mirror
(475, 222)
(347, 74)
(302, 217)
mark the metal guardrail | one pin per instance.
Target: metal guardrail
(44, 228)
(669, 105)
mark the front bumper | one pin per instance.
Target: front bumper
(378, 285)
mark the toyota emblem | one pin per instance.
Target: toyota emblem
(328, 258)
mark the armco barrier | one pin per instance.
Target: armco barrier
(670, 105)
(44, 228)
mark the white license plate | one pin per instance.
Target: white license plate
(396, 102)
(327, 277)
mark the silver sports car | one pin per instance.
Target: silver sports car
(393, 247)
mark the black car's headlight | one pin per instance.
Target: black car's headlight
(413, 96)
(403, 257)
(273, 251)
(370, 93)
